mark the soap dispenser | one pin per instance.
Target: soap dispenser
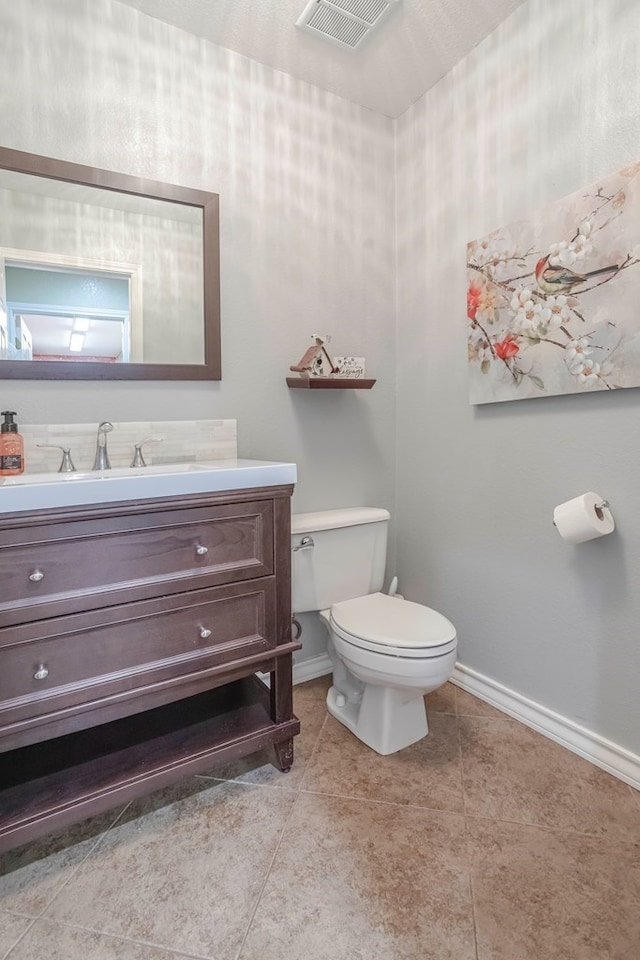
(11, 446)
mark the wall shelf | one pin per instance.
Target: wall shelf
(329, 383)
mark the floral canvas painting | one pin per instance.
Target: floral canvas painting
(553, 304)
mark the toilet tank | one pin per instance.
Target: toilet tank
(347, 559)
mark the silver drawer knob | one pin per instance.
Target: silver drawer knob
(204, 633)
(200, 550)
(36, 576)
(41, 673)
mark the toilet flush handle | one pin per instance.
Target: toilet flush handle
(304, 544)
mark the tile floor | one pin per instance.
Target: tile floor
(483, 842)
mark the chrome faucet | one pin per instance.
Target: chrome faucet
(138, 459)
(102, 457)
(66, 466)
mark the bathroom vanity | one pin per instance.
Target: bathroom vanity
(136, 609)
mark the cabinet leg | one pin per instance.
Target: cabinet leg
(282, 690)
(284, 754)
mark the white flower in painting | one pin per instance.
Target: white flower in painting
(556, 250)
(589, 375)
(479, 348)
(582, 246)
(480, 252)
(499, 261)
(581, 365)
(567, 257)
(492, 254)
(532, 318)
(576, 353)
(521, 296)
(585, 228)
(559, 310)
(565, 254)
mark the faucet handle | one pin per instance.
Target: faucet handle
(66, 466)
(138, 459)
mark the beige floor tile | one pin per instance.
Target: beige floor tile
(313, 689)
(31, 875)
(365, 881)
(11, 929)
(184, 876)
(365, 870)
(258, 767)
(545, 895)
(513, 773)
(442, 700)
(54, 941)
(469, 706)
(426, 774)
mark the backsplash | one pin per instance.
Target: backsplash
(181, 441)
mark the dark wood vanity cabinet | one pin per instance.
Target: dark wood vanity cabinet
(131, 634)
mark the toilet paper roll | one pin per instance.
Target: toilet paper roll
(583, 518)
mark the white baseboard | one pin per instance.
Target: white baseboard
(310, 669)
(609, 756)
(603, 753)
(306, 670)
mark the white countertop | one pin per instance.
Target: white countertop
(39, 491)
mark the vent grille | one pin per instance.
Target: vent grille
(334, 24)
(344, 22)
(368, 10)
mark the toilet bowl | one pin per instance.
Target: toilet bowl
(386, 652)
(396, 651)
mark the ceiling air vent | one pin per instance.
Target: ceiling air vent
(346, 23)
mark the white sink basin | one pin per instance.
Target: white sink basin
(28, 479)
(37, 491)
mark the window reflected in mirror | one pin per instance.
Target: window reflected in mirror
(69, 313)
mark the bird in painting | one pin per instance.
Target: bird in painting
(558, 279)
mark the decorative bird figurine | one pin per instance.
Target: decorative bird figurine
(559, 279)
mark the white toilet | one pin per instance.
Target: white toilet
(386, 652)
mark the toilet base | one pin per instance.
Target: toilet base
(384, 719)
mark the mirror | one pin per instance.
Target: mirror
(104, 276)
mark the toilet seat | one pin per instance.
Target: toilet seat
(393, 627)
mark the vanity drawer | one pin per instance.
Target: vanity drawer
(67, 663)
(82, 564)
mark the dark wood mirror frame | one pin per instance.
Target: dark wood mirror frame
(21, 162)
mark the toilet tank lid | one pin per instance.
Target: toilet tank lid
(331, 519)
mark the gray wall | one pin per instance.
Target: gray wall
(307, 240)
(550, 102)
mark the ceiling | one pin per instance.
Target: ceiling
(417, 45)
